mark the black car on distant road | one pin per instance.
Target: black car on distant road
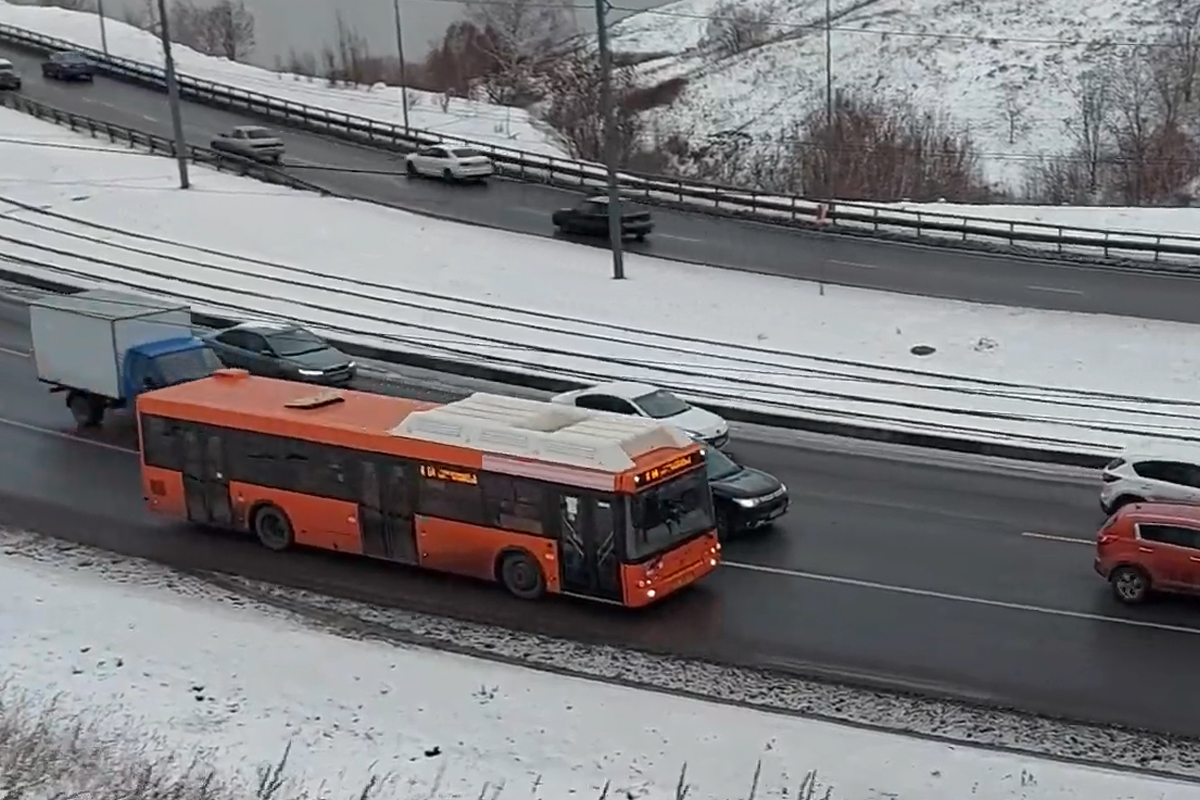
(590, 218)
(282, 350)
(9, 77)
(68, 66)
(744, 498)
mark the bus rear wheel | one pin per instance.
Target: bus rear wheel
(522, 576)
(273, 529)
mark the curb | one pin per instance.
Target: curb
(550, 384)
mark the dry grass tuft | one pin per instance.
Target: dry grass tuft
(46, 754)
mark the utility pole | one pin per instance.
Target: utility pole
(403, 68)
(610, 140)
(103, 33)
(830, 153)
(181, 152)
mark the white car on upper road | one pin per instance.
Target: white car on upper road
(450, 163)
(650, 401)
(1154, 473)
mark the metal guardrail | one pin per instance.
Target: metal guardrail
(154, 144)
(866, 219)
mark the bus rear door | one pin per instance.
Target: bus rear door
(589, 561)
(385, 513)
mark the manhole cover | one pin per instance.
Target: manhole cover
(923, 350)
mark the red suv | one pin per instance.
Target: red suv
(1150, 547)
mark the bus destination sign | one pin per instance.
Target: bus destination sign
(670, 468)
(449, 475)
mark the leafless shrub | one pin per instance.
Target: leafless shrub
(461, 60)
(573, 108)
(225, 29)
(735, 27)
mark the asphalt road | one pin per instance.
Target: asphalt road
(891, 567)
(915, 269)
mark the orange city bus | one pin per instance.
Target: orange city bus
(540, 497)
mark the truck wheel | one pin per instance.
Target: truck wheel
(87, 409)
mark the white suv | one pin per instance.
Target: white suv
(1154, 475)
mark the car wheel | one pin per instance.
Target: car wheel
(1126, 500)
(447, 175)
(1130, 585)
(639, 237)
(411, 169)
(723, 530)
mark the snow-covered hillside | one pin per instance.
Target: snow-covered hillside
(1004, 69)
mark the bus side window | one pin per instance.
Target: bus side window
(161, 446)
(449, 499)
(513, 504)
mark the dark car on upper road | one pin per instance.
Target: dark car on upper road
(9, 77)
(590, 218)
(68, 66)
(744, 498)
(282, 350)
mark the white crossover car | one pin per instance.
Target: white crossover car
(1156, 474)
(450, 164)
(650, 401)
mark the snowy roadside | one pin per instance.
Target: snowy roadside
(544, 306)
(227, 683)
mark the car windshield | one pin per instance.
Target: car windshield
(259, 133)
(466, 152)
(661, 404)
(188, 365)
(295, 342)
(719, 465)
(670, 513)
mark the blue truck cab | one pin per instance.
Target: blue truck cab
(103, 348)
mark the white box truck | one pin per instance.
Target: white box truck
(103, 348)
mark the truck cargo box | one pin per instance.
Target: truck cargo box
(80, 340)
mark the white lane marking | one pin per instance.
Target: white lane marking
(25, 426)
(958, 598)
(18, 353)
(679, 238)
(853, 264)
(1055, 289)
(149, 118)
(1053, 538)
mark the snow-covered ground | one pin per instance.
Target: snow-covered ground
(231, 683)
(1000, 69)
(105, 215)
(468, 119)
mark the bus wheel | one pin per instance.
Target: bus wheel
(272, 528)
(522, 576)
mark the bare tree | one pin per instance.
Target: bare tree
(521, 37)
(735, 27)
(227, 29)
(1135, 120)
(573, 109)
(1090, 128)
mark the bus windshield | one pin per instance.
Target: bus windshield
(669, 513)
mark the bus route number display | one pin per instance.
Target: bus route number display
(668, 469)
(448, 475)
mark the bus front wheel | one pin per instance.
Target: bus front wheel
(273, 529)
(522, 575)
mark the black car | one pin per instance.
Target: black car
(281, 350)
(590, 218)
(744, 498)
(9, 77)
(68, 66)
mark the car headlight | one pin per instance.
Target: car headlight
(747, 502)
(351, 364)
(311, 373)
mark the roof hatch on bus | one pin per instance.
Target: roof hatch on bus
(318, 400)
(515, 426)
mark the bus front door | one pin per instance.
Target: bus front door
(588, 545)
(205, 481)
(385, 513)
